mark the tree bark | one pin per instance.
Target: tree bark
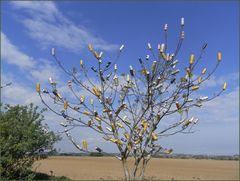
(125, 169)
(145, 162)
(136, 166)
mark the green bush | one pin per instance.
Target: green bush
(23, 139)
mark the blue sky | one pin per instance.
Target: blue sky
(30, 29)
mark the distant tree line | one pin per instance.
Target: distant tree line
(176, 156)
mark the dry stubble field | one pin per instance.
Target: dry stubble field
(108, 168)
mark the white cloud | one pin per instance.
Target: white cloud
(37, 70)
(12, 55)
(18, 92)
(224, 108)
(43, 71)
(219, 81)
(50, 27)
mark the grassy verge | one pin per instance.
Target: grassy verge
(38, 176)
(43, 176)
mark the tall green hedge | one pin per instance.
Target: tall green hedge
(23, 139)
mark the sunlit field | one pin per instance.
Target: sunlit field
(108, 168)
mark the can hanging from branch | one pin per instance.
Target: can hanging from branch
(53, 51)
(219, 56)
(115, 67)
(126, 135)
(182, 35)
(154, 65)
(96, 91)
(203, 98)
(137, 141)
(195, 121)
(148, 75)
(119, 125)
(191, 61)
(109, 129)
(154, 136)
(90, 47)
(178, 105)
(182, 21)
(98, 119)
(91, 101)
(76, 108)
(85, 144)
(51, 81)
(81, 63)
(199, 80)
(89, 122)
(113, 127)
(100, 55)
(98, 149)
(106, 110)
(115, 79)
(45, 91)
(99, 127)
(96, 55)
(121, 48)
(175, 72)
(168, 151)
(165, 27)
(86, 113)
(189, 100)
(145, 126)
(82, 98)
(225, 86)
(59, 95)
(196, 87)
(38, 87)
(131, 70)
(162, 48)
(119, 142)
(189, 73)
(147, 57)
(174, 63)
(204, 70)
(149, 46)
(128, 78)
(65, 105)
(63, 124)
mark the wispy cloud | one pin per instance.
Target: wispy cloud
(46, 24)
(218, 81)
(221, 109)
(18, 92)
(12, 55)
(38, 70)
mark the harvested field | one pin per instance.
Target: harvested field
(109, 168)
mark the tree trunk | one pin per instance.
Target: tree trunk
(134, 173)
(143, 169)
(125, 169)
(137, 172)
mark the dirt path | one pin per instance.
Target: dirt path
(108, 168)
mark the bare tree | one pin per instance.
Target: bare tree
(126, 109)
